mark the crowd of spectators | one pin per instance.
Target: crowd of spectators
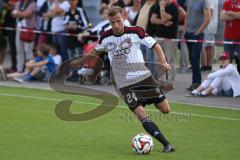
(211, 20)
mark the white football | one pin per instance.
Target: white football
(142, 143)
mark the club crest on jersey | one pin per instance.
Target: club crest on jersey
(110, 46)
(127, 43)
(124, 47)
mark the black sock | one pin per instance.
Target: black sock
(154, 131)
(209, 68)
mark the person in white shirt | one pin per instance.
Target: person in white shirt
(132, 11)
(130, 73)
(54, 52)
(59, 8)
(225, 81)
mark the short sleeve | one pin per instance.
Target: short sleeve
(144, 38)
(148, 41)
(211, 3)
(206, 4)
(99, 46)
(57, 59)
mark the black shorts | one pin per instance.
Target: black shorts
(143, 93)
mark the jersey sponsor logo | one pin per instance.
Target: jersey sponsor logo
(121, 52)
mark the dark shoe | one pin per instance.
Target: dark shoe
(204, 68)
(192, 87)
(209, 68)
(189, 68)
(195, 95)
(169, 148)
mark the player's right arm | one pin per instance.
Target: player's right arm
(150, 42)
(78, 62)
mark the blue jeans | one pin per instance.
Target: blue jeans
(149, 58)
(232, 48)
(60, 40)
(194, 50)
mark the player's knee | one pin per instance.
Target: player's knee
(163, 107)
(165, 110)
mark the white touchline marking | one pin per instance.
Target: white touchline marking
(119, 106)
(178, 102)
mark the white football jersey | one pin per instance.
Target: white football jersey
(125, 56)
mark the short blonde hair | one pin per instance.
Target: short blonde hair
(115, 10)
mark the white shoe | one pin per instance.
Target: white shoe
(19, 80)
(195, 93)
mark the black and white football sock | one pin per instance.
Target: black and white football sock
(154, 131)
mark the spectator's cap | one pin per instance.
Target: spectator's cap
(224, 56)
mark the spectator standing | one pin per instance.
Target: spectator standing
(3, 42)
(39, 5)
(208, 51)
(10, 21)
(132, 11)
(165, 17)
(143, 20)
(183, 50)
(231, 14)
(44, 24)
(25, 14)
(56, 13)
(221, 24)
(198, 18)
(76, 21)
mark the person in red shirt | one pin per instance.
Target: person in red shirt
(231, 14)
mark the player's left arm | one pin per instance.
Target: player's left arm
(158, 50)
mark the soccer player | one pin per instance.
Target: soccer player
(132, 77)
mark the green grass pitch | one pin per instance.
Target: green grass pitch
(29, 130)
